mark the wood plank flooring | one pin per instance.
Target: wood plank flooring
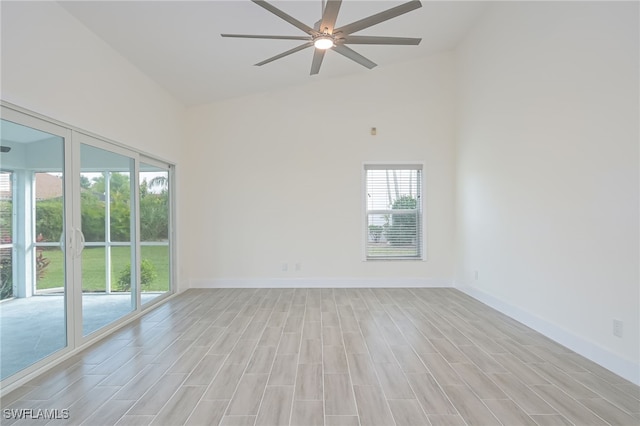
(337, 357)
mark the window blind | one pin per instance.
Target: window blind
(393, 211)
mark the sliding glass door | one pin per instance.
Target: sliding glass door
(85, 239)
(33, 266)
(108, 229)
(155, 231)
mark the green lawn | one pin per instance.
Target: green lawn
(93, 267)
(384, 249)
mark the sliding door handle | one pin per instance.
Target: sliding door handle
(81, 241)
(63, 241)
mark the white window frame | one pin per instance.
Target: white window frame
(171, 243)
(14, 213)
(73, 137)
(421, 221)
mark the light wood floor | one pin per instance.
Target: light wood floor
(329, 357)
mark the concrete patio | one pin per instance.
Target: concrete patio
(33, 328)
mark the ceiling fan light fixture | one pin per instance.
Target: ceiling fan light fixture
(323, 42)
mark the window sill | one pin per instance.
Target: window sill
(386, 259)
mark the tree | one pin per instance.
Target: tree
(161, 182)
(93, 215)
(85, 183)
(154, 210)
(120, 213)
(120, 207)
(119, 183)
(154, 217)
(49, 218)
(402, 230)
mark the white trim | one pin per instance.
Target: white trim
(625, 368)
(136, 255)
(73, 139)
(389, 165)
(321, 283)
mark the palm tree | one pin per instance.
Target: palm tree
(161, 182)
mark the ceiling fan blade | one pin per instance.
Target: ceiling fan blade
(330, 15)
(290, 19)
(353, 55)
(379, 17)
(288, 52)
(352, 39)
(275, 37)
(318, 56)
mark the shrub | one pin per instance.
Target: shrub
(147, 276)
(154, 216)
(6, 276)
(41, 262)
(49, 218)
(402, 230)
(120, 220)
(375, 232)
(93, 214)
(6, 221)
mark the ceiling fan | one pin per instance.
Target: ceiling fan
(323, 36)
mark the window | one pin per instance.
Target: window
(393, 211)
(82, 253)
(155, 232)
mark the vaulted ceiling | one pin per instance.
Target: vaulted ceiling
(178, 43)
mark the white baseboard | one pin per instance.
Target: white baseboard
(623, 367)
(320, 283)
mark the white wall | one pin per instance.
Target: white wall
(547, 171)
(547, 161)
(276, 178)
(53, 65)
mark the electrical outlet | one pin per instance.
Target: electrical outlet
(617, 328)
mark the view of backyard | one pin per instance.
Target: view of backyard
(393, 213)
(65, 275)
(96, 210)
(93, 268)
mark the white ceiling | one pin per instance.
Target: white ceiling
(178, 43)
